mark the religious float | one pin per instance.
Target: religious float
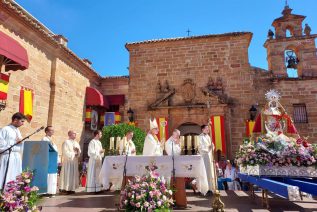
(275, 147)
(276, 158)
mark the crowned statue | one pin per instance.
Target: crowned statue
(273, 119)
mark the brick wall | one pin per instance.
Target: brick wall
(51, 68)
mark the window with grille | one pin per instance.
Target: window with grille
(300, 113)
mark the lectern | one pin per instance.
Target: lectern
(41, 157)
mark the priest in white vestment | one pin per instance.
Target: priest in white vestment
(51, 178)
(152, 145)
(127, 146)
(9, 135)
(95, 153)
(206, 149)
(69, 178)
(173, 143)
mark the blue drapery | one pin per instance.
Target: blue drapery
(40, 157)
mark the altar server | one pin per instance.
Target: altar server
(126, 145)
(52, 177)
(9, 135)
(95, 153)
(206, 149)
(173, 143)
(152, 145)
(69, 179)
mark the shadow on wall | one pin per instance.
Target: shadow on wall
(189, 129)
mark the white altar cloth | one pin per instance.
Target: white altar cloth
(185, 166)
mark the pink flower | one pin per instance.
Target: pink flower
(138, 205)
(159, 203)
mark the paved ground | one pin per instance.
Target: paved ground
(234, 201)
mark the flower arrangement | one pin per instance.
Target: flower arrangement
(277, 152)
(147, 193)
(19, 196)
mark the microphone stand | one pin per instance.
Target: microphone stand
(125, 165)
(10, 150)
(173, 171)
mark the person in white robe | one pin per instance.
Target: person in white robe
(52, 177)
(206, 149)
(127, 146)
(69, 177)
(152, 145)
(10, 135)
(173, 143)
(95, 153)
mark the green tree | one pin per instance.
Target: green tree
(119, 130)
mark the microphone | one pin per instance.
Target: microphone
(41, 128)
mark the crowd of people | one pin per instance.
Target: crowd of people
(71, 151)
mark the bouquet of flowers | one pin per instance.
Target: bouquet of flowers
(19, 196)
(288, 153)
(147, 193)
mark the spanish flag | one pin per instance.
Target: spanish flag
(102, 119)
(4, 86)
(163, 129)
(117, 117)
(218, 133)
(88, 115)
(249, 127)
(26, 103)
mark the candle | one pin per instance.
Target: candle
(196, 141)
(182, 141)
(111, 142)
(118, 142)
(189, 142)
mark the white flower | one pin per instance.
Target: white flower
(159, 203)
(27, 181)
(170, 192)
(164, 198)
(146, 204)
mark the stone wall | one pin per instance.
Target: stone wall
(57, 77)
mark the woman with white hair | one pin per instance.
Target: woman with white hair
(173, 143)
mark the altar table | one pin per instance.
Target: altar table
(185, 166)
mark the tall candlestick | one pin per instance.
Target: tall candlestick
(196, 141)
(111, 142)
(189, 142)
(118, 142)
(182, 142)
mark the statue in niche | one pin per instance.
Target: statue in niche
(307, 30)
(270, 34)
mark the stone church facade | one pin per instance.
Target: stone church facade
(189, 79)
(186, 80)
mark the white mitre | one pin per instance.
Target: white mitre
(153, 124)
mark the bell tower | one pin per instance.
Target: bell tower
(291, 52)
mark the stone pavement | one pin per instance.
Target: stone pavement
(234, 201)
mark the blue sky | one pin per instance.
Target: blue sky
(98, 30)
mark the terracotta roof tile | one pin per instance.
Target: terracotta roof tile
(231, 34)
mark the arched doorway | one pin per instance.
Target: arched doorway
(189, 128)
